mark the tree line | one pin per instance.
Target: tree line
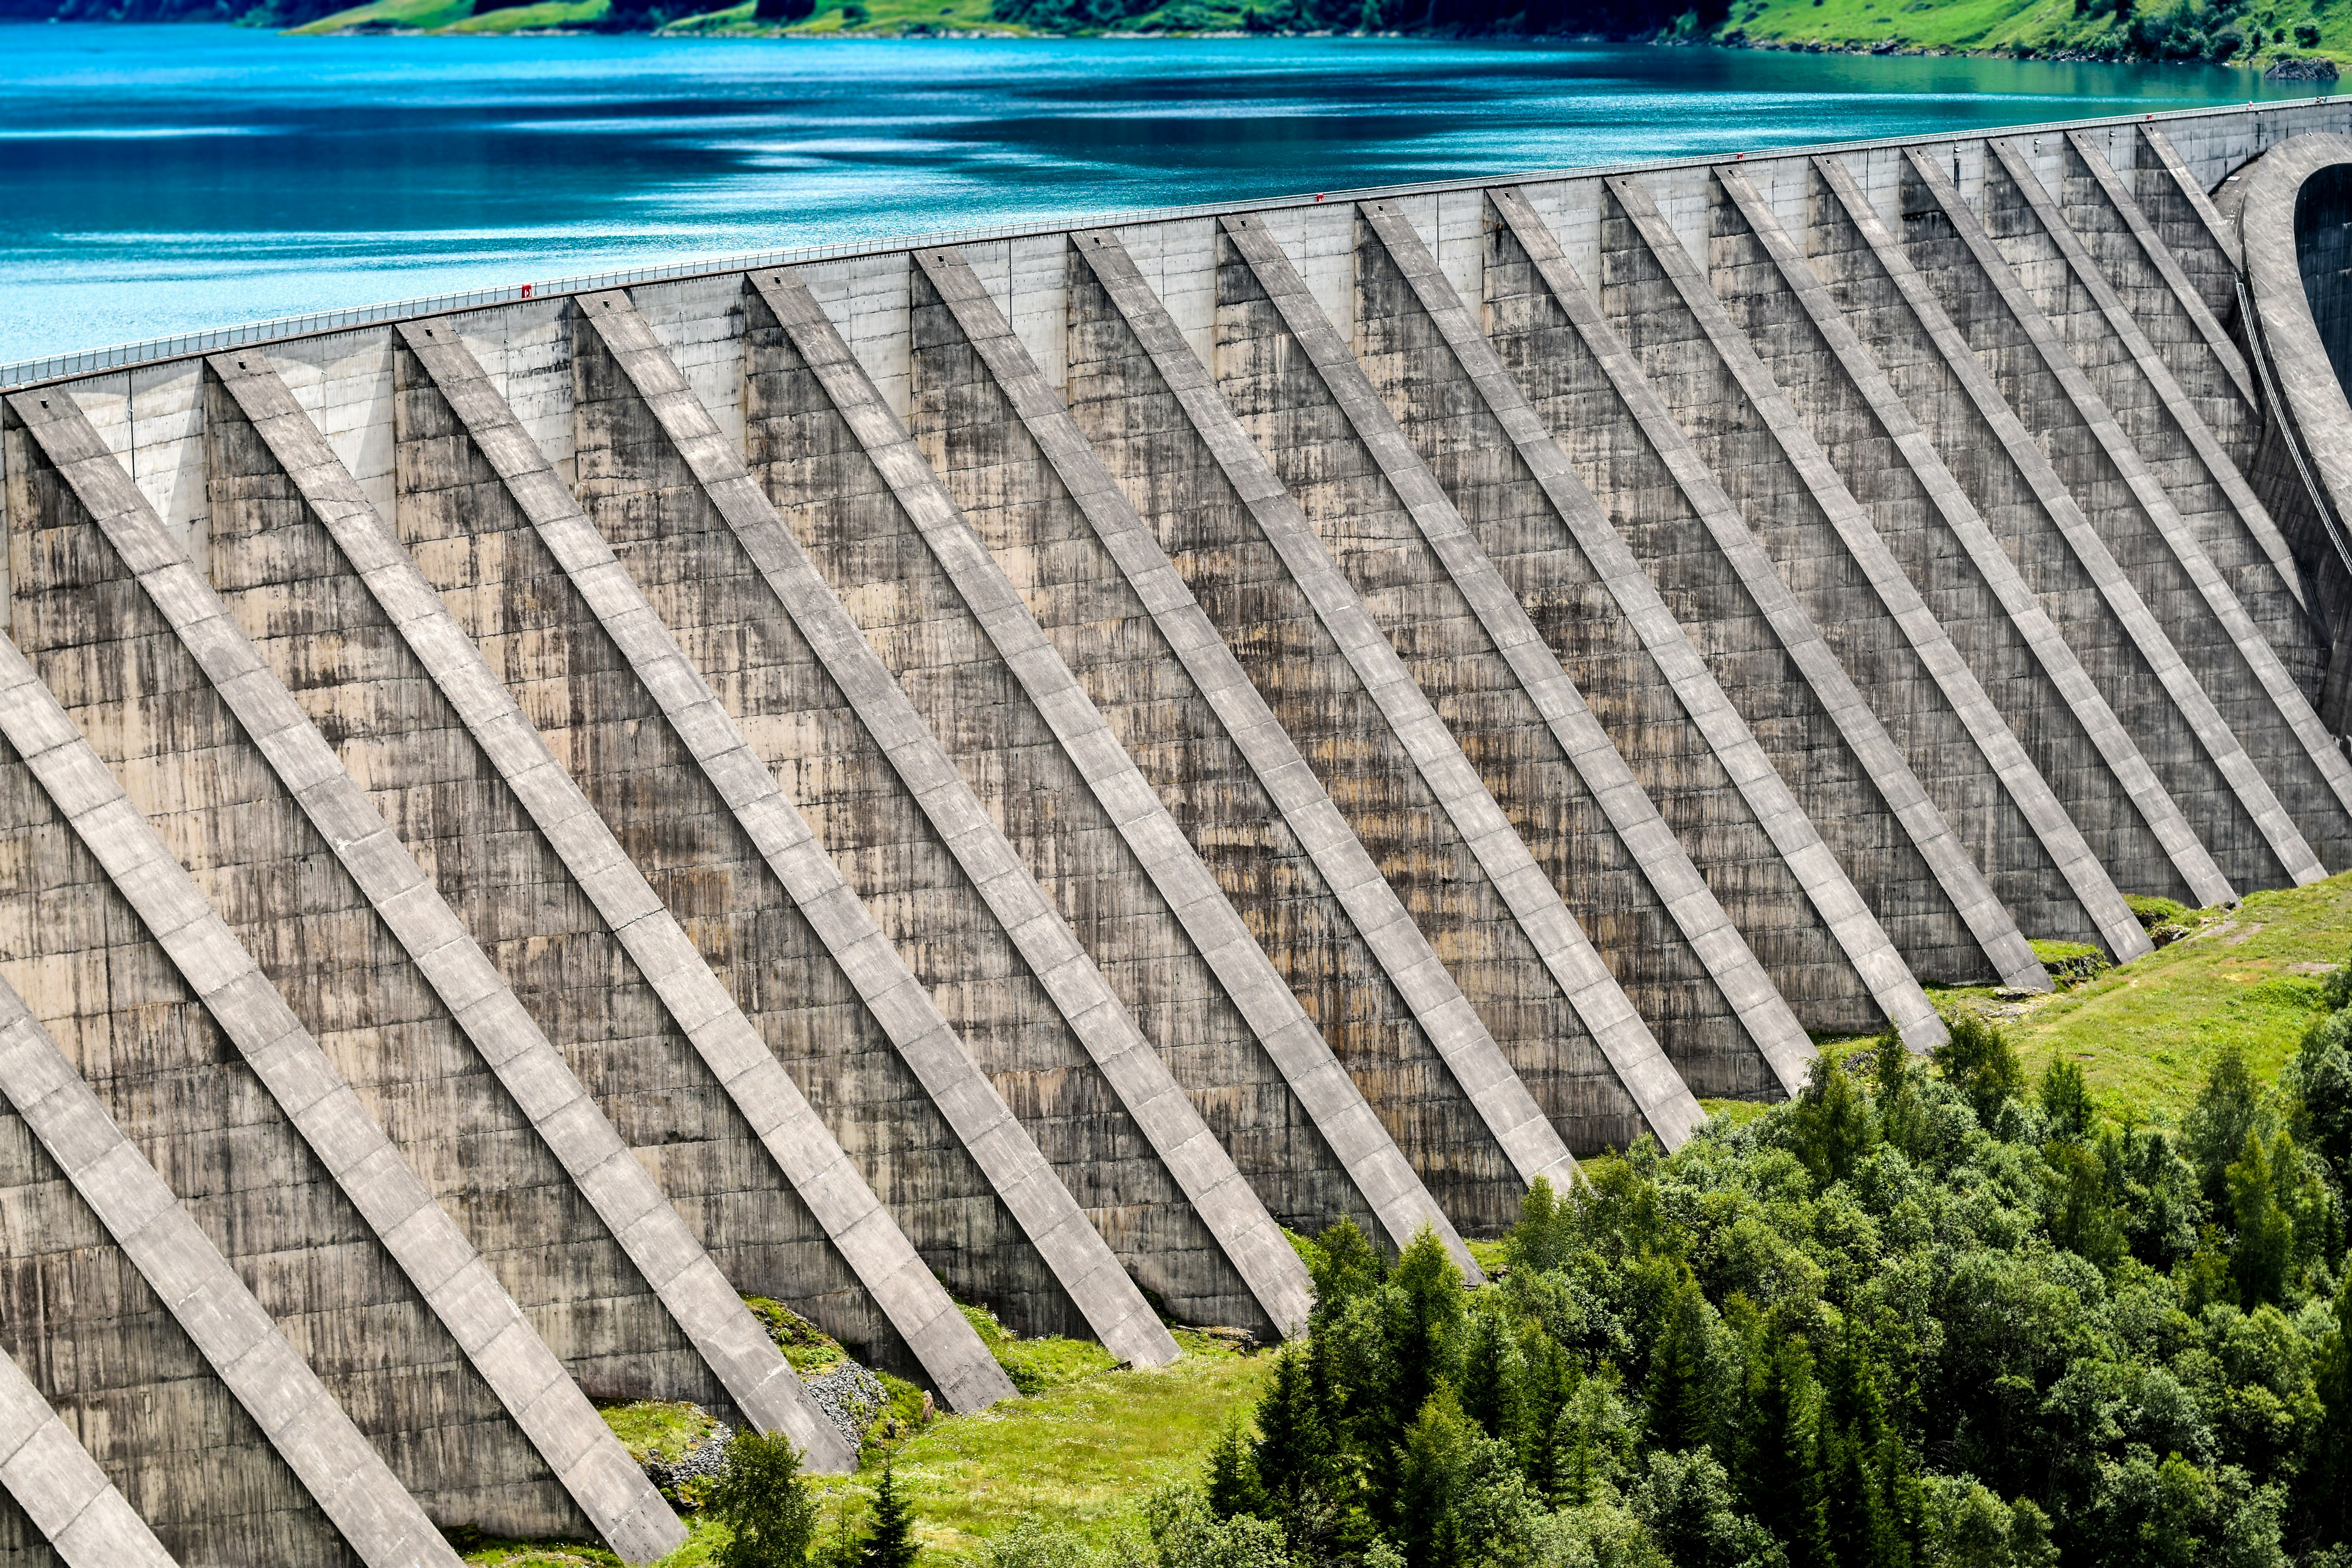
(1912, 1319)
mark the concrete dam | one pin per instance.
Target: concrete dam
(1013, 770)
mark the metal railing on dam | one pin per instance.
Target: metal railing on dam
(1013, 768)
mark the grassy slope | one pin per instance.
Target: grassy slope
(1087, 1452)
(883, 18)
(2145, 1033)
(2011, 27)
(1085, 1455)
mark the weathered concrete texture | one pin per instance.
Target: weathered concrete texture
(2184, 218)
(126, 1381)
(281, 571)
(56, 1504)
(1929, 561)
(2152, 408)
(1590, 390)
(825, 999)
(188, 1098)
(1252, 560)
(707, 588)
(2292, 212)
(441, 1266)
(1104, 591)
(1596, 610)
(1539, 751)
(880, 527)
(2011, 484)
(1296, 1126)
(1928, 745)
(1172, 476)
(2096, 203)
(104, 647)
(2054, 399)
(364, 1505)
(1289, 381)
(742, 1093)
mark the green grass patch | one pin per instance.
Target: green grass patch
(2069, 963)
(457, 16)
(2099, 28)
(854, 18)
(704, 1539)
(1738, 1112)
(657, 1428)
(2145, 1034)
(809, 1348)
(1036, 1366)
(1084, 1455)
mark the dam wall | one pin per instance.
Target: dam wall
(1012, 769)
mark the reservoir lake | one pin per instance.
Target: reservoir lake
(161, 179)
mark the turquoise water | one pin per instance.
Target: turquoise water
(155, 179)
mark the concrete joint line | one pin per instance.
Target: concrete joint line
(1248, 976)
(527, 1064)
(1996, 934)
(425, 1243)
(1673, 879)
(2285, 841)
(79, 1512)
(804, 1150)
(1397, 945)
(1045, 942)
(972, 1109)
(2116, 924)
(1478, 1063)
(1851, 924)
(2187, 696)
(2199, 436)
(1631, 1051)
(337, 1466)
(2135, 220)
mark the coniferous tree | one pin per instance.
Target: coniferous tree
(1777, 1482)
(1233, 1485)
(1423, 1325)
(765, 1505)
(1546, 1232)
(1682, 1409)
(2228, 1111)
(1830, 1126)
(1551, 1380)
(2263, 1250)
(1292, 1457)
(1432, 1463)
(1902, 1120)
(1493, 1378)
(890, 1544)
(2320, 1078)
(2067, 1099)
(2327, 1492)
(1977, 1061)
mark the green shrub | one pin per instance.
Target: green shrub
(2070, 963)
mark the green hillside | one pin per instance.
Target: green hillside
(2228, 32)
(2093, 29)
(1082, 1455)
